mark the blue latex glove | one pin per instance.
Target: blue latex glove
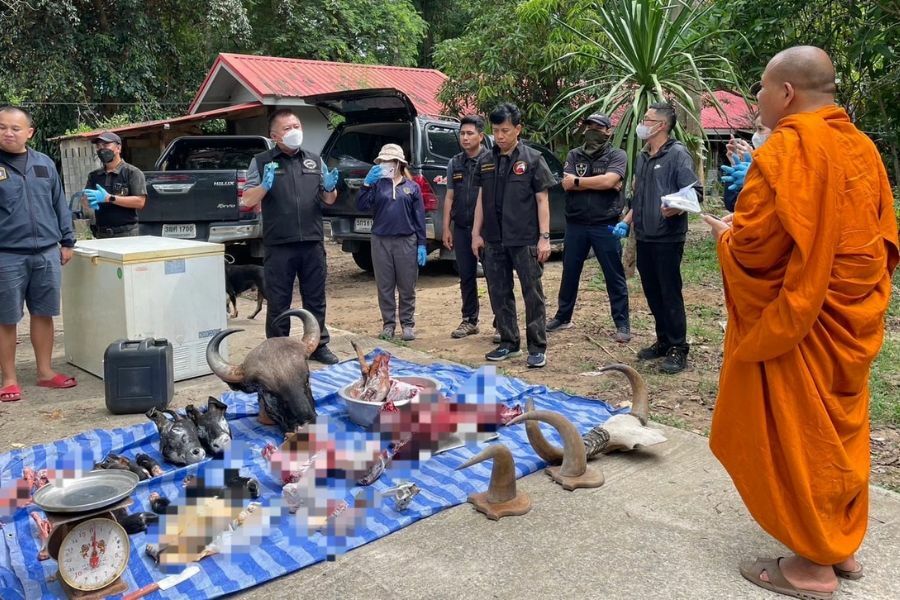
(329, 178)
(373, 175)
(734, 176)
(268, 179)
(96, 197)
(620, 230)
(421, 256)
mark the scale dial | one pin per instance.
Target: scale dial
(93, 554)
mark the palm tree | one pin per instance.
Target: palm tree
(645, 51)
(648, 53)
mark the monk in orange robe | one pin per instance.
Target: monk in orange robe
(806, 260)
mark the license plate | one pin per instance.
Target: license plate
(184, 231)
(363, 226)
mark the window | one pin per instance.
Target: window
(212, 154)
(354, 147)
(442, 141)
(552, 162)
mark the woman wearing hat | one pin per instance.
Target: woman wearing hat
(398, 237)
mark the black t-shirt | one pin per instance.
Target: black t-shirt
(595, 207)
(124, 180)
(17, 161)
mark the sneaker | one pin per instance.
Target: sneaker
(409, 334)
(675, 362)
(496, 339)
(652, 352)
(465, 328)
(324, 355)
(502, 353)
(387, 333)
(536, 360)
(623, 335)
(555, 324)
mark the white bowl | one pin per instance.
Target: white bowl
(365, 413)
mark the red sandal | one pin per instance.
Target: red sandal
(58, 382)
(11, 393)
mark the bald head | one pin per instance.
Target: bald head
(799, 79)
(807, 68)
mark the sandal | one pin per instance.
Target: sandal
(11, 393)
(850, 575)
(778, 583)
(58, 382)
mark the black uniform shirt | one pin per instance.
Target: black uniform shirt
(124, 180)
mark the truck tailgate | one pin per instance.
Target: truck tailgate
(191, 196)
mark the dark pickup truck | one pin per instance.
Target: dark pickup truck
(194, 193)
(372, 118)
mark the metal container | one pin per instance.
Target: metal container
(92, 490)
(365, 414)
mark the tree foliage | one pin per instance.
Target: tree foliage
(862, 37)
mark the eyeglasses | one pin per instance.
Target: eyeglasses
(652, 121)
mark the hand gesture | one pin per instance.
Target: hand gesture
(96, 197)
(373, 175)
(620, 230)
(329, 178)
(268, 179)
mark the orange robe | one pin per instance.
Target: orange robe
(807, 271)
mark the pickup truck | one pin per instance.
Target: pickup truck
(195, 189)
(372, 118)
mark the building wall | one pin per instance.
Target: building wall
(315, 126)
(78, 159)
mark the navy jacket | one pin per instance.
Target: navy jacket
(400, 215)
(34, 214)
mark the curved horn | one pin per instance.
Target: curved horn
(311, 331)
(640, 401)
(223, 369)
(543, 448)
(574, 461)
(502, 487)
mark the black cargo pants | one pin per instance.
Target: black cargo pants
(499, 263)
(285, 263)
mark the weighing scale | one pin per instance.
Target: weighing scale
(89, 545)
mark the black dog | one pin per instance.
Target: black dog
(241, 278)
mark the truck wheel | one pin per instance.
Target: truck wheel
(363, 258)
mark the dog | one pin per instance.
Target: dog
(241, 278)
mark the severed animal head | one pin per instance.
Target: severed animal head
(618, 433)
(277, 370)
(212, 427)
(178, 439)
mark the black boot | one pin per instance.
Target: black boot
(675, 362)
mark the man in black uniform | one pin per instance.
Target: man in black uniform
(512, 227)
(459, 212)
(115, 191)
(292, 184)
(663, 167)
(593, 179)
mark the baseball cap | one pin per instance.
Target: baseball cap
(107, 136)
(599, 119)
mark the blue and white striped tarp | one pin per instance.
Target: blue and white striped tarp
(281, 552)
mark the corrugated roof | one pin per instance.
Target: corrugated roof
(133, 128)
(269, 77)
(737, 113)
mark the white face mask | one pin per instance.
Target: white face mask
(388, 168)
(758, 139)
(644, 131)
(293, 138)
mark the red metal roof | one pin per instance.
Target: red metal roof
(737, 113)
(133, 128)
(269, 77)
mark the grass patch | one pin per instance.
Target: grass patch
(700, 264)
(884, 383)
(671, 421)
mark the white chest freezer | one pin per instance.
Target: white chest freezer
(144, 287)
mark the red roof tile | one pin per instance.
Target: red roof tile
(269, 77)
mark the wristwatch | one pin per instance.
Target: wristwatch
(545, 235)
(111, 199)
(577, 182)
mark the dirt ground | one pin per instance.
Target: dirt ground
(685, 400)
